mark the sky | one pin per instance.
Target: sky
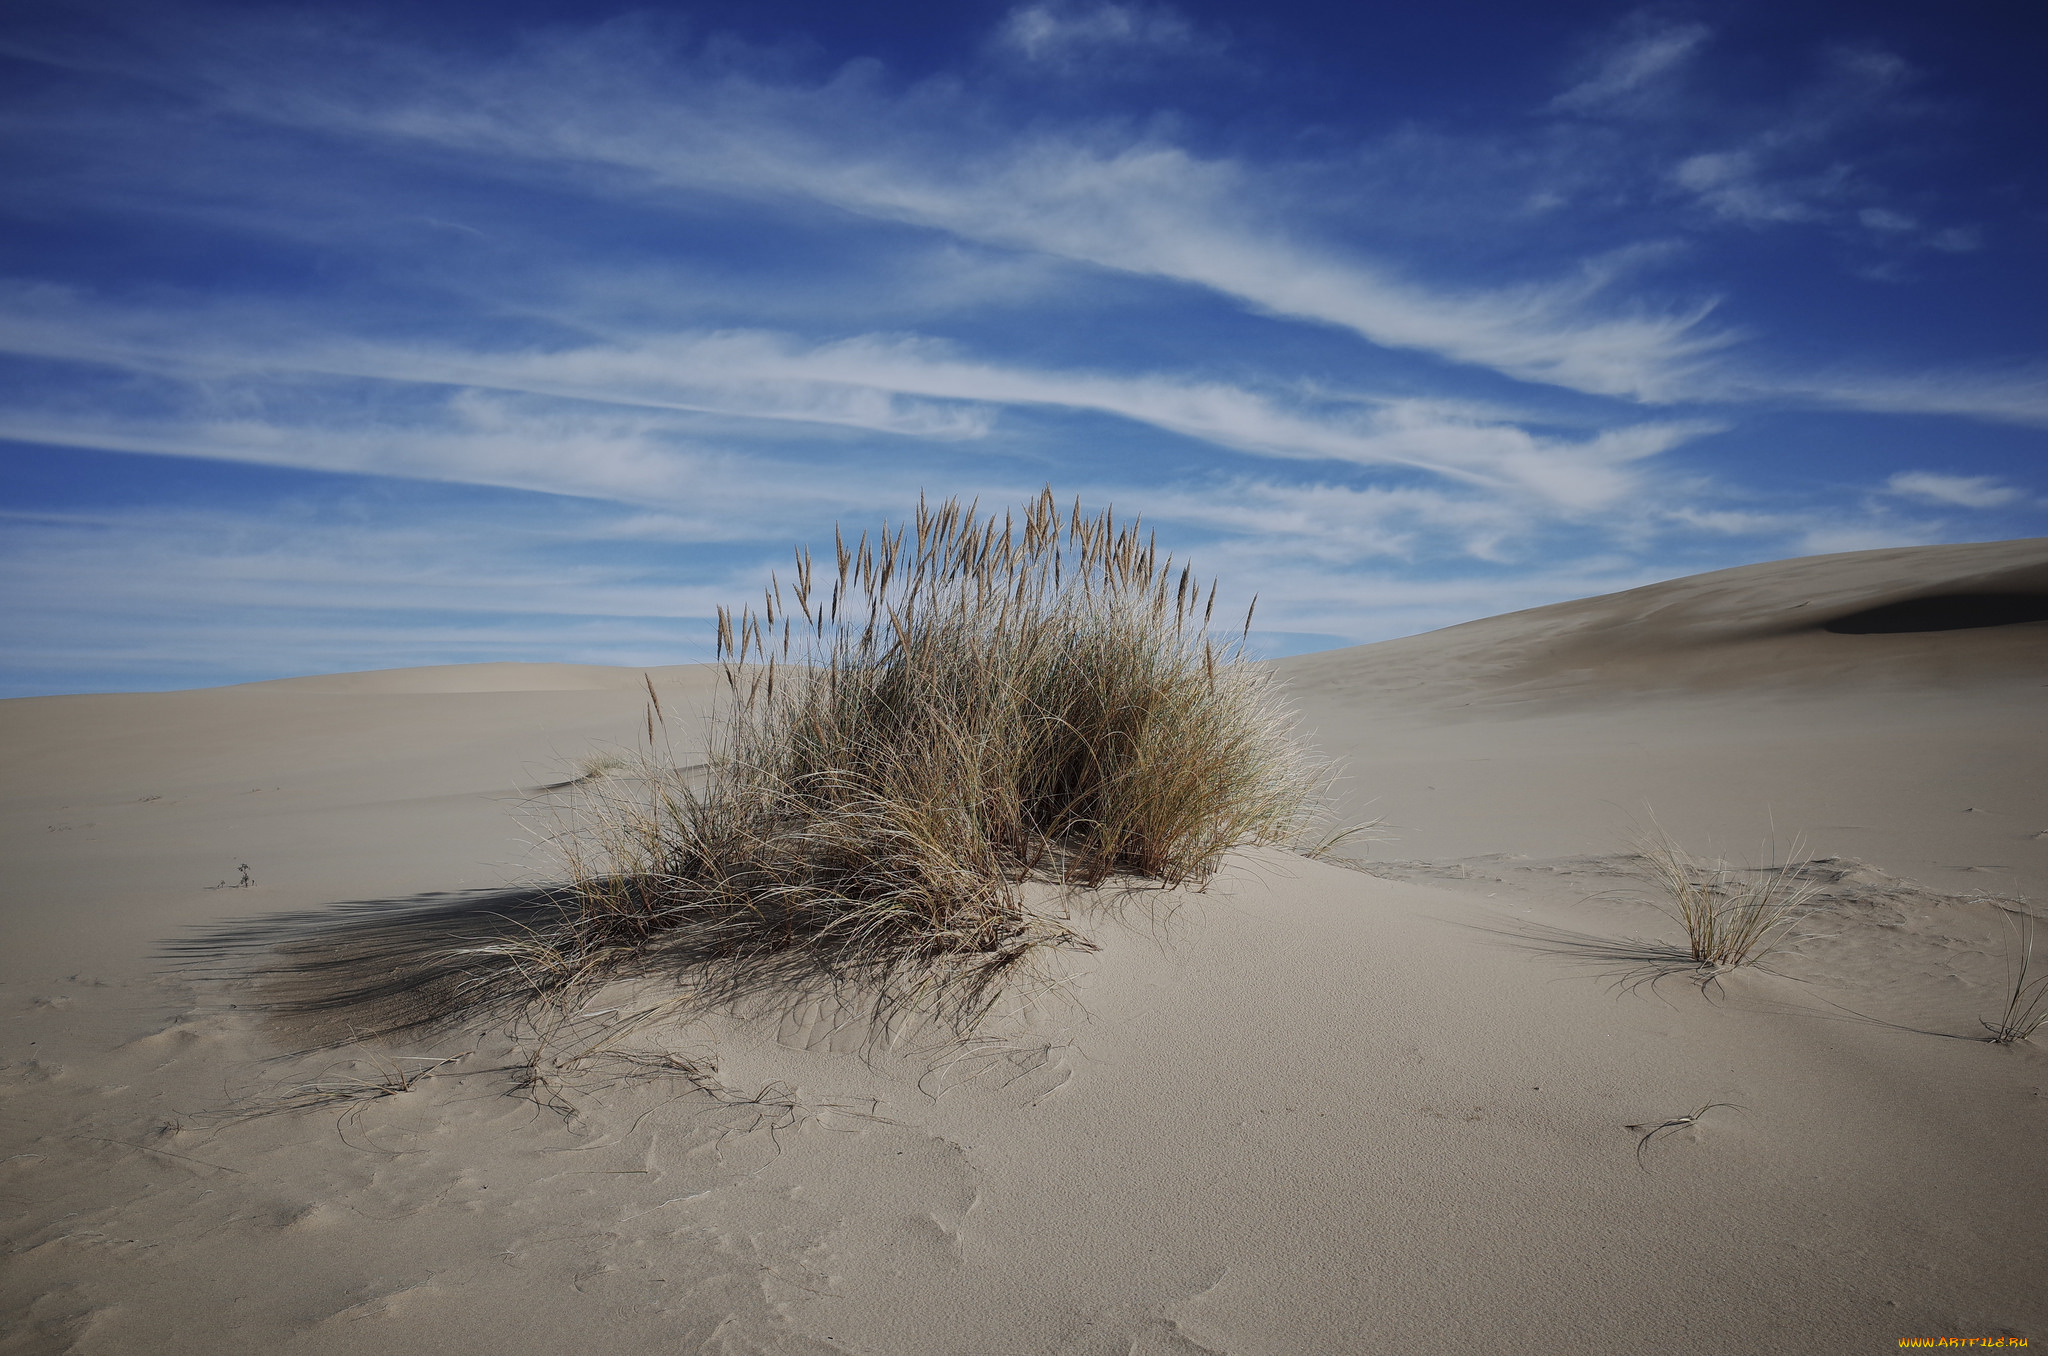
(364, 336)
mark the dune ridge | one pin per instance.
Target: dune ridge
(1751, 627)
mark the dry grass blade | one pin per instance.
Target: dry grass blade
(386, 1078)
(1324, 849)
(1731, 916)
(1649, 1130)
(2026, 1007)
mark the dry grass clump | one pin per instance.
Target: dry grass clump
(2026, 1009)
(1731, 916)
(945, 715)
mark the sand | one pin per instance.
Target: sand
(1311, 1108)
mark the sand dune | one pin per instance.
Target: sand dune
(458, 678)
(1310, 1109)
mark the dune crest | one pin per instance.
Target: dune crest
(1922, 616)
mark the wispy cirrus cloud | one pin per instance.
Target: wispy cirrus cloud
(591, 111)
(1640, 54)
(1812, 161)
(1975, 492)
(1070, 35)
(595, 111)
(901, 385)
(1994, 392)
(1735, 187)
(1813, 154)
(200, 596)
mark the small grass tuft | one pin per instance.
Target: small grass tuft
(1731, 916)
(2026, 1007)
(245, 882)
(601, 764)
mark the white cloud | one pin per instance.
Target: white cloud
(494, 563)
(1101, 195)
(1885, 220)
(1061, 34)
(613, 116)
(1334, 525)
(1642, 54)
(1734, 522)
(1897, 229)
(586, 456)
(1357, 606)
(2010, 395)
(614, 440)
(1977, 492)
(1827, 540)
(1728, 184)
(168, 597)
(1807, 160)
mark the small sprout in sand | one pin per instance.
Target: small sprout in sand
(1649, 1130)
(2026, 1008)
(1731, 916)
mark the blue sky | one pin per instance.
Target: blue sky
(366, 336)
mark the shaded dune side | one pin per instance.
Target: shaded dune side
(1945, 612)
(1908, 616)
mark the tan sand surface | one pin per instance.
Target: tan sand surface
(1310, 1109)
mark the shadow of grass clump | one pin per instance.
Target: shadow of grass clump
(372, 973)
(1629, 964)
(376, 969)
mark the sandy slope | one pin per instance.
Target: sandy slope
(1309, 1110)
